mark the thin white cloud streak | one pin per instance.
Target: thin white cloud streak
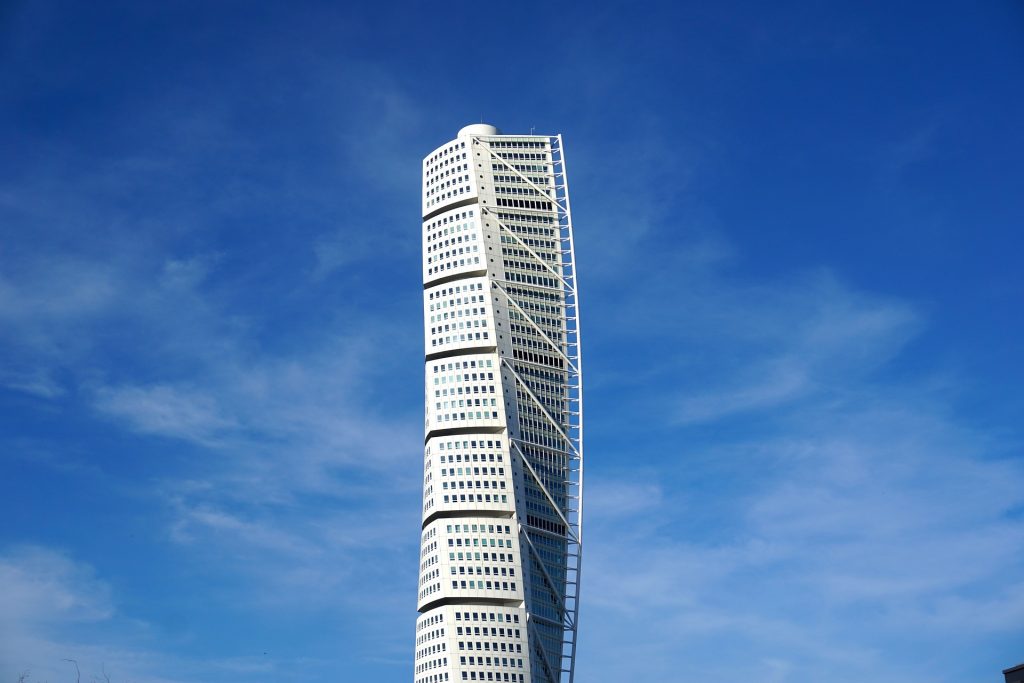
(873, 536)
(840, 523)
(283, 429)
(302, 454)
(165, 410)
(623, 497)
(53, 609)
(60, 288)
(862, 523)
(219, 389)
(41, 586)
(772, 344)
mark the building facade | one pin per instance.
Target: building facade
(501, 541)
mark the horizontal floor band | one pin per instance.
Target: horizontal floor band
(462, 351)
(469, 512)
(465, 201)
(445, 279)
(469, 602)
(449, 431)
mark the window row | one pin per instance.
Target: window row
(468, 403)
(489, 646)
(490, 585)
(526, 190)
(460, 377)
(518, 144)
(464, 390)
(458, 328)
(483, 570)
(538, 244)
(471, 415)
(484, 556)
(519, 179)
(536, 280)
(451, 291)
(454, 183)
(479, 542)
(432, 664)
(472, 457)
(435, 178)
(465, 365)
(532, 264)
(480, 315)
(480, 498)
(524, 204)
(466, 445)
(547, 228)
(522, 168)
(492, 631)
(480, 528)
(513, 251)
(431, 650)
(431, 621)
(552, 327)
(450, 243)
(433, 678)
(449, 224)
(448, 195)
(492, 676)
(460, 251)
(460, 485)
(451, 472)
(430, 575)
(442, 156)
(460, 312)
(523, 156)
(460, 263)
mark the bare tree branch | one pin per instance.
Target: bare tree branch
(78, 672)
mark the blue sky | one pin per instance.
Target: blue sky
(798, 232)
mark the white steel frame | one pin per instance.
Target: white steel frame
(569, 350)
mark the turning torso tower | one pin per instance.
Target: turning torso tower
(503, 452)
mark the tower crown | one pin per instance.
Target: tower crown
(479, 129)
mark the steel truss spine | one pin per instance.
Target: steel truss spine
(570, 427)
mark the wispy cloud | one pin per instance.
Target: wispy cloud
(794, 504)
(815, 336)
(624, 497)
(45, 597)
(868, 533)
(856, 521)
(266, 385)
(56, 612)
(165, 410)
(41, 586)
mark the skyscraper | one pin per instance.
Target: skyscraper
(503, 453)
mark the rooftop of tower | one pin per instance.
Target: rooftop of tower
(479, 129)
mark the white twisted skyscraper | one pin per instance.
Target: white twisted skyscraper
(503, 453)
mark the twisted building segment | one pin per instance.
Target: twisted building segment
(503, 457)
